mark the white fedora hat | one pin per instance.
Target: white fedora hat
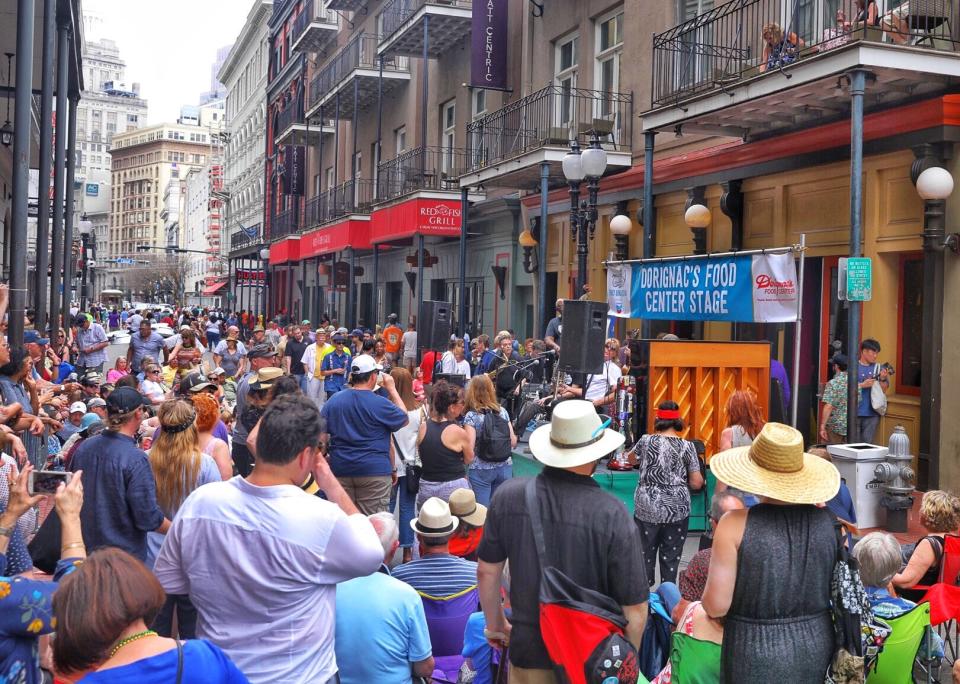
(435, 519)
(574, 436)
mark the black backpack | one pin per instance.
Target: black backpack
(493, 438)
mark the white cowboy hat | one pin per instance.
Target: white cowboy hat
(574, 436)
(435, 519)
(776, 466)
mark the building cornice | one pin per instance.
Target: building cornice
(256, 19)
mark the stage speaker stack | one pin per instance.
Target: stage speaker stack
(434, 325)
(581, 340)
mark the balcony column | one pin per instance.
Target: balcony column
(543, 306)
(351, 295)
(376, 283)
(424, 96)
(649, 225)
(462, 274)
(69, 264)
(376, 168)
(40, 291)
(857, 83)
(59, 173)
(419, 278)
(17, 263)
(353, 154)
(336, 148)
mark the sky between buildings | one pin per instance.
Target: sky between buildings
(168, 46)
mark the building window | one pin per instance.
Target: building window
(330, 178)
(609, 46)
(449, 135)
(911, 320)
(478, 104)
(400, 141)
(565, 78)
(688, 9)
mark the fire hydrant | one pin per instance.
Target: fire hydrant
(898, 480)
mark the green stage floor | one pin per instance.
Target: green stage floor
(622, 485)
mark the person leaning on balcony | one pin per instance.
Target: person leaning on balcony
(779, 49)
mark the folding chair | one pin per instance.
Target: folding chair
(909, 632)
(693, 661)
(446, 621)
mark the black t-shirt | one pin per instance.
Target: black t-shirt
(589, 536)
(295, 351)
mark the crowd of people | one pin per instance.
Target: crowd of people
(266, 501)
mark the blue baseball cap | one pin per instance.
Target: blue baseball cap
(33, 337)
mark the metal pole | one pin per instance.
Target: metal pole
(376, 187)
(543, 307)
(931, 348)
(265, 288)
(351, 304)
(68, 263)
(336, 147)
(462, 302)
(59, 172)
(649, 229)
(424, 65)
(40, 291)
(795, 379)
(83, 272)
(419, 276)
(21, 170)
(857, 79)
(376, 283)
(353, 156)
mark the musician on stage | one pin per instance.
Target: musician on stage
(506, 381)
(600, 388)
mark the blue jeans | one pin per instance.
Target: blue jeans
(407, 510)
(213, 339)
(302, 380)
(486, 481)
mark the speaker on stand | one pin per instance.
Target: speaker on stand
(584, 332)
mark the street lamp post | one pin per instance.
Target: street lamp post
(577, 166)
(620, 226)
(86, 257)
(265, 258)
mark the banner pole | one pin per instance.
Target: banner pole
(795, 380)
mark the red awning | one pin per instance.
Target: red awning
(353, 233)
(284, 251)
(416, 216)
(213, 289)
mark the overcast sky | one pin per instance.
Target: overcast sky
(169, 46)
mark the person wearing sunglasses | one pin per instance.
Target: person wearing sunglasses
(152, 385)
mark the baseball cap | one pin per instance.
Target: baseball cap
(91, 379)
(338, 337)
(305, 322)
(88, 420)
(342, 330)
(96, 402)
(261, 351)
(125, 400)
(194, 382)
(78, 407)
(33, 337)
(356, 332)
(364, 364)
(265, 378)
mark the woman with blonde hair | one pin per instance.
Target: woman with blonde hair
(186, 356)
(179, 467)
(404, 444)
(487, 425)
(939, 515)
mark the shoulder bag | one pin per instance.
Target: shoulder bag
(414, 468)
(878, 398)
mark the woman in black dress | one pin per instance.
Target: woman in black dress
(770, 572)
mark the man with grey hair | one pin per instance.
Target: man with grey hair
(381, 615)
(693, 579)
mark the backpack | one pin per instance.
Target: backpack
(493, 438)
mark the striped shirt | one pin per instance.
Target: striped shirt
(439, 576)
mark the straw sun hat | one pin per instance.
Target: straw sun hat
(776, 466)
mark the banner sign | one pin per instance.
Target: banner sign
(747, 288)
(294, 169)
(93, 189)
(488, 45)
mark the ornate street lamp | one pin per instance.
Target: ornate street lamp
(589, 164)
(620, 226)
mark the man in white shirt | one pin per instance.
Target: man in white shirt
(312, 360)
(600, 388)
(454, 362)
(261, 558)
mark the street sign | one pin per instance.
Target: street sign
(855, 279)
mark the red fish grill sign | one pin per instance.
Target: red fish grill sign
(440, 216)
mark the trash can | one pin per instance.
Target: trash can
(856, 463)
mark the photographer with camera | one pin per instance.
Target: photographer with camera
(869, 372)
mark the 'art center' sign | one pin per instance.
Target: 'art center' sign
(745, 288)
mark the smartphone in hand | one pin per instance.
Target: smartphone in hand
(47, 481)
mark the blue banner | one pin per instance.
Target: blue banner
(743, 288)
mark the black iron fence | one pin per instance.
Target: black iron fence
(359, 53)
(430, 168)
(744, 38)
(352, 197)
(550, 117)
(285, 223)
(289, 115)
(396, 12)
(313, 11)
(245, 237)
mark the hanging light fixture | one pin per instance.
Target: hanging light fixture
(6, 133)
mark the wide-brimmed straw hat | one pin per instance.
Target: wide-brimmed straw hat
(776, 466)
(463, 504)
(435, 519)
(574, 436)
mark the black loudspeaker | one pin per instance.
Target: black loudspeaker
(434, 325)
(584, 332)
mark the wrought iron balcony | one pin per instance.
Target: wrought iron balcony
(358, 60)
(346, 199)
(430, 168)
(315, 28)
(742, 39)
(285, 223)
(288, 116)
(346, 5)
(403, 26)
(507, 146)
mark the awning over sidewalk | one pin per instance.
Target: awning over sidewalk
(349, 233)
(416, 216)
(285, 251)
(213, 289)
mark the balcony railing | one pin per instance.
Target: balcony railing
(242, 239)
(352, 197)
(396, 12)
(289, 115)
(431, 168)
(285, 223)
(715, 50)
(550, 117)
(359, 53)
(313, 12)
